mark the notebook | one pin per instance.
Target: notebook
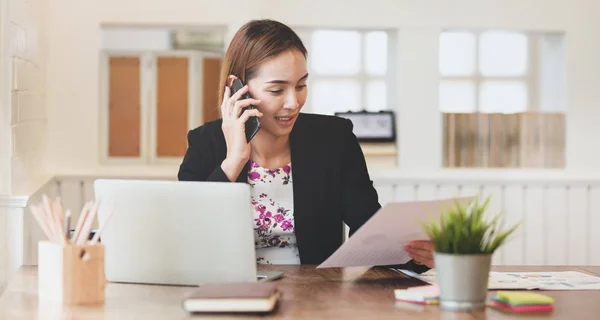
(233, 298)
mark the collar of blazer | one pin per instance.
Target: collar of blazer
(298, 148)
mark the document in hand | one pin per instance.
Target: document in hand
(381, 240)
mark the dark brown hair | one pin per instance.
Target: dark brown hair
(254, 43)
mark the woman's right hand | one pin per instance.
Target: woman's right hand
(234, 130)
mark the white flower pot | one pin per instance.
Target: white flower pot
(463, 280)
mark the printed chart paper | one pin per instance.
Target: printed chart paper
(381, 240)
(562, 280)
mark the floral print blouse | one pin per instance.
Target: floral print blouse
(272, 198)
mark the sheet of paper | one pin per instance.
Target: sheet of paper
(562, 280)
(381, 240)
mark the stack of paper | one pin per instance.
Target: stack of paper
(420, 295)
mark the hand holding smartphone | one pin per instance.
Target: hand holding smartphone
(253, 123)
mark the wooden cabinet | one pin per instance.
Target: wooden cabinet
(150, 100)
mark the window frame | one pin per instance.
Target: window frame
(362, 77)
(148, 102)
(530, 78)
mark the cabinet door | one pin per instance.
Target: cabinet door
(211, 68)
(172, 88)
(124, 107)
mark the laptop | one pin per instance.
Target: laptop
(177, 232)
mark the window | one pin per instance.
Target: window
(349, 70)
(502, 95)
(156, 84)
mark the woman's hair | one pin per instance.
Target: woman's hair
(253, 44)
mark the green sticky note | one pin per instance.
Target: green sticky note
(523, 297)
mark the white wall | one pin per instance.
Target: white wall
(5, 120)
(135, 39)
(74, 43)
(22, 122)
(22, 69)
(12, 236)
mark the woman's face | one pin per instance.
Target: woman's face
(280, 85)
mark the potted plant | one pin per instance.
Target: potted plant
(465, 241)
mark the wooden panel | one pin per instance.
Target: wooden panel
(448, 191)
(496, 194)
(577, 225)
(385, 194)
(210, 89)
(556, 224)
(513, 204)
(172, 106)
(504, 140)
(427, 192)
(4, 250)
(406, 192)
(70, 196)
(594, 227)
(124, 107)
(535, 227)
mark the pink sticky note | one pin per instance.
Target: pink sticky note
(428, 289)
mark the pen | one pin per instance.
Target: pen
(99, 231)
(67, 224)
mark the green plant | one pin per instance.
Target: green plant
(462, 229)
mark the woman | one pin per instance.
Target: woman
(307, 172)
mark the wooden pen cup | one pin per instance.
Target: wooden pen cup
(71, 274)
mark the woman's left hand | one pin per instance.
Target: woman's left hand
(421, 251)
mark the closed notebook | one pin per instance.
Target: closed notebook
(233, 297)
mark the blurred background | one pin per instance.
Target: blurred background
(491, 97)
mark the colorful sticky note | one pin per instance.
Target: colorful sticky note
(523, 298)
(524, 308)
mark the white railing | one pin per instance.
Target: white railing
(559, 212)
(560, 218)
(11, 236)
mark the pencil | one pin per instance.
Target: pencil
(67, 224)
(40, 220)
(46, 208)
(80, 222)
(87, 226)
(59, 223)
(101, 229)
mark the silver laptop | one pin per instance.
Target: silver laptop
(177, 233)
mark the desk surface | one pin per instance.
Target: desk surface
(307, 293)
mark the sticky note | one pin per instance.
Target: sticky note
(416, 297)
(523, 298)
(525, 308)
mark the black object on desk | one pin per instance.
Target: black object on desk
(372, 126)
(90, 237)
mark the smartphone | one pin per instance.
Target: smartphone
(253, 123)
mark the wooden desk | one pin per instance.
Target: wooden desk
(353, 293)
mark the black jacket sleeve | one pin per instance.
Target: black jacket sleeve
(360, 197)
(360, 200)
(199, 162)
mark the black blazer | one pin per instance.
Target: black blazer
(329, 177)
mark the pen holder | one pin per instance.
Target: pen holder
(71, 274)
